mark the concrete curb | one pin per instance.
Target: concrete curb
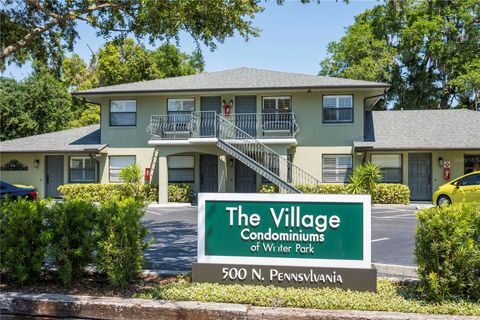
(396, 270)
(170, 205)
(55, 305)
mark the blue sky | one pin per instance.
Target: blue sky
(294, 38)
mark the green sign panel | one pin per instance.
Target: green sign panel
(309, 230)
(290, 230)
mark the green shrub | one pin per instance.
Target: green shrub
(180, 192)
(268, 188)
(394, 193)
(71, 225)
(381, 192)
(132, 177)
(23, 239)
(97, 192)
(364, 178)
(447, 251)
(392, 296)
(131, 174)
(120, 240)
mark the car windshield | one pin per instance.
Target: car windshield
(471, 180)
(5, 185)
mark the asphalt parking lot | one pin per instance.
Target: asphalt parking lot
(175, 230)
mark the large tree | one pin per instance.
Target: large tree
(38, 104)
(427, 49)
(43, 30)
(119, 62)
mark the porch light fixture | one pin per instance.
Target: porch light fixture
(440, 162)
(230, 162)
(36, 163)
(229, 103)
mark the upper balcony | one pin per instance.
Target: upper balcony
(202, 127)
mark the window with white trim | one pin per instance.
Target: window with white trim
(82, 169)
(117, 163)
(337, 168)
(390, 166)
(181, 169)
(337, 109)
(123, 113)
(276, 113)
(276, 104)
(180, 113)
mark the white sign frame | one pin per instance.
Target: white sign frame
(365, 263)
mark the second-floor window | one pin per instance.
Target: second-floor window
(123, 113)
(276, 104)
(337, 109)
(276, 113)
(179, 113)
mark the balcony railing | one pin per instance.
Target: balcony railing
(205, 125)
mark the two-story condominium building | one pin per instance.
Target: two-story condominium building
(233, 130)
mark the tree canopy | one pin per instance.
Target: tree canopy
(126, 61)
(38, 104)
(43, 30)
(427, 50)
(42, 103)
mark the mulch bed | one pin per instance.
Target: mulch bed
(92, 284)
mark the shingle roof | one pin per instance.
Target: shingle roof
(422, 129)
(234, 79)
(72, 140)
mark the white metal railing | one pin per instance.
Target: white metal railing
(204, 124)
(262, 159)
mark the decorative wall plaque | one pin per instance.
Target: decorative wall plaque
(14, 165)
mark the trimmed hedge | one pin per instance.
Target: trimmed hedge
(391, 296)
(447, 251)
(73, 234)
(23, 239)
(180, 192)
(394, 193)
(97, 192)
(383, 193)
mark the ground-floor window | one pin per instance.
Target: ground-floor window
(181, 169)
(82, 169)
(337, 168)
(117, 163)
(471, 163)
(390, 166)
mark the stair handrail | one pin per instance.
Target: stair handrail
(231, 134)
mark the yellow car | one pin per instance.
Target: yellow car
(463, 189)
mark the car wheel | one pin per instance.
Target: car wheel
(443, 199)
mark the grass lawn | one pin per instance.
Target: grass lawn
(391, 296)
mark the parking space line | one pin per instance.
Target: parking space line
(381, 239)
(396, 216)
(153, 212)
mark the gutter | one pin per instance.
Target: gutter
(378, 96)
(80, 93)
